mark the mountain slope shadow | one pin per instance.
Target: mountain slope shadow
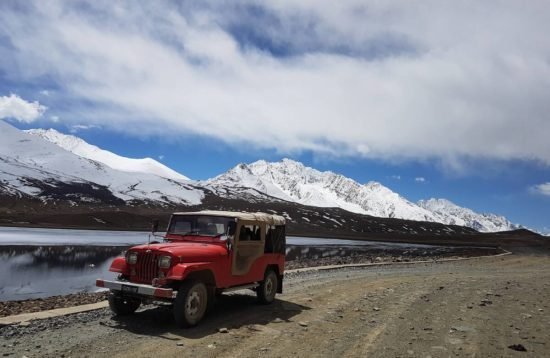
(230, 311)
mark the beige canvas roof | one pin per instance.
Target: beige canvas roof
(263, 217)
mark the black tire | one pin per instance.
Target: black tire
(123, 306)
(268, 287)
(191, 303)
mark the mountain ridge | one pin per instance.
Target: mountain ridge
(84, 149)
(33, 166)
(43, 164)
(293, 181)
(452, 214)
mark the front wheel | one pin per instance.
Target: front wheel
(122, 306)
(268, 287)
(190, 303)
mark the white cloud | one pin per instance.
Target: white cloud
(54, 119)
(82, 127)
(542, 189)
(161, 157)
(15, 107)
(396, 177)
(420, 179)
(45, 92)
(390, 80)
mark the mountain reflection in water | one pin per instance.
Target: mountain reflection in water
(42, 271)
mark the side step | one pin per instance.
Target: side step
(243, 287)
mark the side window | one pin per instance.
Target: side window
(275, 239)
(269, 232)
(269, 239)
(246, 233)
(250, 233)
(257, 233)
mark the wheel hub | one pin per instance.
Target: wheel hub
(193, 303)
(269, 287)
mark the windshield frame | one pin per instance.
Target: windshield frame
(195, 230)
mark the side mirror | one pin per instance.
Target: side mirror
(231, 228)
(154, 226)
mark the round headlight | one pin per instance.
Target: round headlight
(165, 261)
(131, 258)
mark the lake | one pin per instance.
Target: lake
(51, 237)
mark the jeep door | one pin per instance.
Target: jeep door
(248, 247)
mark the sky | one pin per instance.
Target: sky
(432, 99)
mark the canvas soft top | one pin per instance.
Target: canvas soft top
(263, 217)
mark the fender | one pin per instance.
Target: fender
(181, 271)
(119, 265)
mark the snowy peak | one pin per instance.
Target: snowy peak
(83, 149)
(31, 166)
(246, 176)
(50, 166)
(65, 141)
(448, 212)
(292, 181)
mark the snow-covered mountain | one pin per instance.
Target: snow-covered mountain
(52, 166)
(292, 181)
(448, 212)
(82, 148)
(31, 166)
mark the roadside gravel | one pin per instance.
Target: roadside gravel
(478, 307)
(9, 308)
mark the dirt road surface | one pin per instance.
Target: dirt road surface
(473, 308)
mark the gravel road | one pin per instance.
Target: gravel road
(490, 307)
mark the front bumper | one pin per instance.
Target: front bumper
(137, 289)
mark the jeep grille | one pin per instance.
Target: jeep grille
(146, 267)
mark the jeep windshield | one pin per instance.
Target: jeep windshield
(188, 226)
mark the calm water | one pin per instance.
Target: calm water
(45, 262)
(52, 237)
(48, 237)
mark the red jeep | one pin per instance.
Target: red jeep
(202, 255)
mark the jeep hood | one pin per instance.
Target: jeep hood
(187, 251)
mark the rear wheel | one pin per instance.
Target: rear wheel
(268, 287)
(190, 304)
(123, 306)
